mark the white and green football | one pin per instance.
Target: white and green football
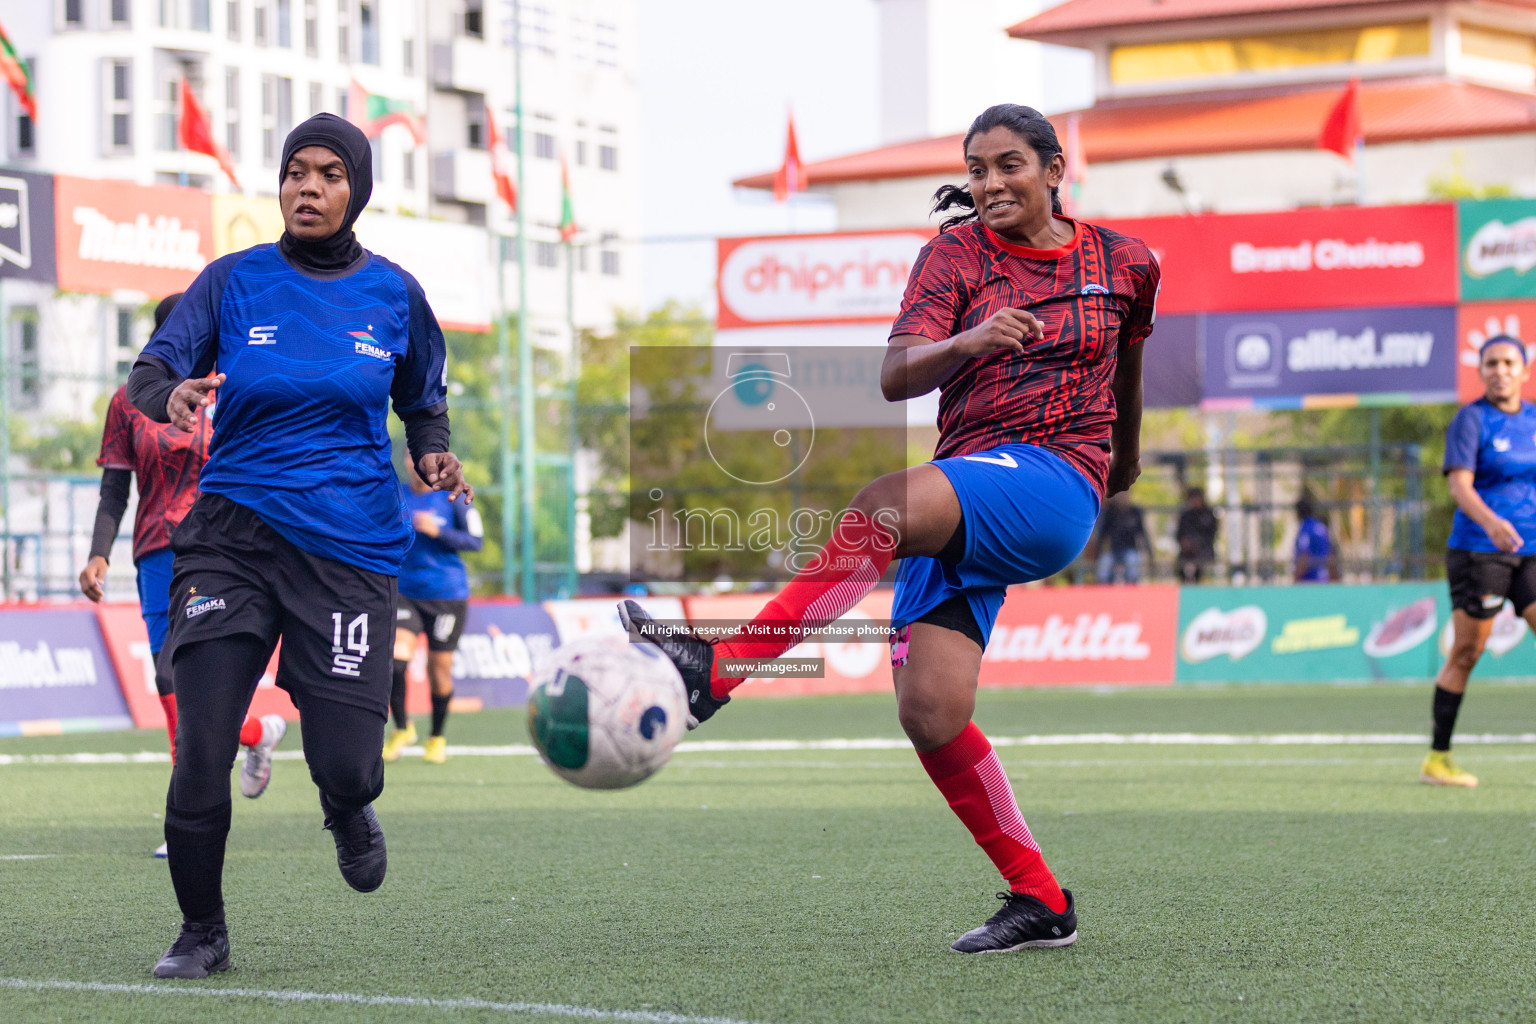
(605, 713)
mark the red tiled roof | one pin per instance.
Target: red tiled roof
(1078, 18)
(1391, 111)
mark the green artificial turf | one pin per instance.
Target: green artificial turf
(1244, 883)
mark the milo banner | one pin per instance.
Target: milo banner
(1310, 633)
(1498, 249)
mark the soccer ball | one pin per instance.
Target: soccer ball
(605, 713)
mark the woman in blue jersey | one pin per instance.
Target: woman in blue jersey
(434, 599)
(1490, 468)
(300, 531)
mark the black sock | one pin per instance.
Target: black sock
(1444, 710)
(195, 854)
(397, 695)
(440, 711)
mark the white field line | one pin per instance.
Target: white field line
(29, 856)
(1112, 739)
(357, 999)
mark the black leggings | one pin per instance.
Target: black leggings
(214, 683)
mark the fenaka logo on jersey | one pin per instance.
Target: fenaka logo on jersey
(1214, 632)
(363, 344)
(1498, 246)
(264, 335)
(200, 604)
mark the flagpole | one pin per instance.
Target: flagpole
(1360, 170)
(524, 346)
(573, 370)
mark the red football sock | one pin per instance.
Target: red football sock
(835, 580)
(968, 773)
(168, 702)
(250, 732)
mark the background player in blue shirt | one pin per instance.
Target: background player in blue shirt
(300, 529)
(1314, 548)
(1490, 467)
(434, 599)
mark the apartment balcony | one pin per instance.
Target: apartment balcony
(462, 64)
(462, 176)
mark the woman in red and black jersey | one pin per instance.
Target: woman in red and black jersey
(1030, 324)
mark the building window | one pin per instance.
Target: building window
(581, 153)
(408, 169)
(168, 104)
(474, 19)
(168, 11)
(474, 123)
(316, 98)
(311, 29)
(376, 147)
(610, 264)
(543, 145)
(232, 20)
(259, 23)
(408, 57)
(344, 30)
(276, 115)
(120, 12)
(119, 106)
(367, 33)
(24, 138)
(126, 317)
(605, 44)
(608, 157)
(74, 13)
(546, 254)
(201, 15)
(232, 111)
(341, 104)
(26, 361)
(284, 23)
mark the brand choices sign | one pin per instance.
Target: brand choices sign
(815, 279)
(1267, 356)
(113, 234)
(1498, 249)
(1303, 259)
(26, 226)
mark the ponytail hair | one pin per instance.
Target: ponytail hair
(1025, 122)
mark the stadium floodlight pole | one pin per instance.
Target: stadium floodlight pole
(524, 342)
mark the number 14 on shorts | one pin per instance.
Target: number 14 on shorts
(347, 660)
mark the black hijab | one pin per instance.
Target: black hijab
(340, 251)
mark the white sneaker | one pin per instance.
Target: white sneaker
(161, 852)
(257, 771)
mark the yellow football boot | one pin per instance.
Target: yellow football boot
(1440, 770)
(398, 741)
(437, 750)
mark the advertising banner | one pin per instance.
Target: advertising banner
(1400, 355)
(1170, 368)
(1325, 633)
(452, 262)
(1498, 248)
(116, 235)
(503, 644)
(1074, 636)
(240, 222)
(1303, 259)
(26, 226)
(1476, 322)
(851, 278)
(55, 673)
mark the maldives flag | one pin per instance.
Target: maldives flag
(504, 187)
(196, 134)
(568, 226)
(14, 70)
(789, 178)
(373, 113)
(1342, 131)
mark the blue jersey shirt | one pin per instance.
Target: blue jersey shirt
(1312, 550)
(433, 570)
(311, 367)
(1500, 449)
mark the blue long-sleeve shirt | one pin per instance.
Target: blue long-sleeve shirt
(433, 570)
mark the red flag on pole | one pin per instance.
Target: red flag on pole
(1342, 131)
(196, 134)
(504, 187)
(789, 178)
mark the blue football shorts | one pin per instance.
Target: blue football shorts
(154, 577)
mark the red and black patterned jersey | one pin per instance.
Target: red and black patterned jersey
(165, 464)
(1094, 293)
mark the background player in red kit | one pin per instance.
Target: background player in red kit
(1030, 324)
(166, 462)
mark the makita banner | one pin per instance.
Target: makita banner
(1303, 259)
(1498, 249)
(1280, 360)
(26, 226)
(116, 235)
(55, 674)
(778, 280)
(1055, 636)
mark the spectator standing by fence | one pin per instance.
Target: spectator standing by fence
(1120, 539)
(1196, 536)
(1315, 562)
